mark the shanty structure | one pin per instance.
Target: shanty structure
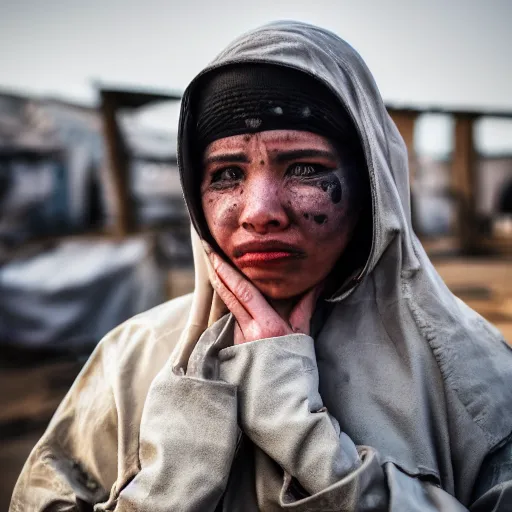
(469, 238)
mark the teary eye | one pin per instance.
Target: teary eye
(305, 169)
(228, 174)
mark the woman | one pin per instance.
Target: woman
(345, 377)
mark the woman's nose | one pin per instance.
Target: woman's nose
(263, 211)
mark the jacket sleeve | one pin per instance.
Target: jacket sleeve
(75, 462)
(187, 439)
(282, 412)
(187, 444)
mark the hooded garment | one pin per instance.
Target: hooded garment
(401, 402)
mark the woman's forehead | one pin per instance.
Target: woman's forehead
(272, 140)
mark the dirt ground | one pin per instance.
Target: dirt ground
(485, 285)
(32, 390)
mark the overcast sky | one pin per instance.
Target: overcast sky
(436, 52)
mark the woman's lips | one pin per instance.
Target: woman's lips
(255, 258)
(257, 253)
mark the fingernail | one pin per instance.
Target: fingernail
(206, 247)
(215, 260)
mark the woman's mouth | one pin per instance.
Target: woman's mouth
(264, 253)
(255, 258)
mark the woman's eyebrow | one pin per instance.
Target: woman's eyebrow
(286, 156)
(226, 157)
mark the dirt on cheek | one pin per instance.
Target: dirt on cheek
(220, 208)
(320, 219)
(310, 204)
(332, 186)
(227, 210)
(314, 210)
(317, 218)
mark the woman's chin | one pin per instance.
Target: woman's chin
(278, 290)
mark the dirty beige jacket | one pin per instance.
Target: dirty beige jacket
(401, 400)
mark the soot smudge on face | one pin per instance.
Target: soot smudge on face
(320, 219)
(332, 186)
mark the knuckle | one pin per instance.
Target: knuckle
(243, 292)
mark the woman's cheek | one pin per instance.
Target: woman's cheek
(221, 211)
(314, 209)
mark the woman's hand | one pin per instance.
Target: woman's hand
(256, 318)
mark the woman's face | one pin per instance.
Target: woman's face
(280, 204)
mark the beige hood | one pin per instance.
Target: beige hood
(337, 65)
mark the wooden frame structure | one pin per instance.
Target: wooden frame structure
(463, 171)
(112, 101)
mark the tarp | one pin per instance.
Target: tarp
(71, 296)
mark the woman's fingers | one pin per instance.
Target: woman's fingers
(255, 317)
(245, 292)
(300, 317)
(231, 301)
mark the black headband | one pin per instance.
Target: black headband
(258, 97)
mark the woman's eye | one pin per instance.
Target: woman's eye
(229, 174)
(304, 169)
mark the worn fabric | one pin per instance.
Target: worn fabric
(401, 400)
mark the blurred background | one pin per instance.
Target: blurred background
(93, 227)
